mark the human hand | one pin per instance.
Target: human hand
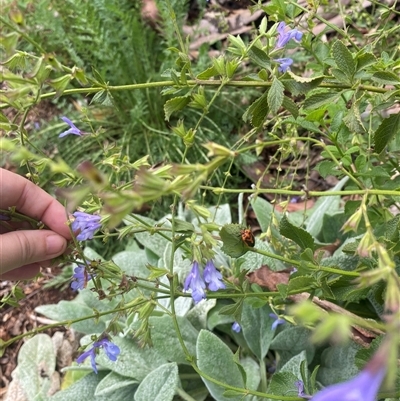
(22, 252)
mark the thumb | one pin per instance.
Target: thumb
(19, 248)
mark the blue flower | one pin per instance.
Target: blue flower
(195, 282)
(213, 277)
(112, 351)
(73, 130)
(80, 278)
(285, 34)
(284, 64)
(86, 224)
(363, 387)
(277, 321)
(236, 327)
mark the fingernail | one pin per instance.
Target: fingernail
(55, 244)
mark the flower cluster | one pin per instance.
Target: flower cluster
(285, 34)
(80, 278)
(86, 224)
(73, 129)
(197, 283)
(112, 351)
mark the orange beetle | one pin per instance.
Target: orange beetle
(247, 237)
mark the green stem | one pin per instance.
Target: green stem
(263, 374)
(192, 83)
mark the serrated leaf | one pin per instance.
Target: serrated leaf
(290, 106)
(300, 283)
(259, 57)
(159, 385)
(301, 88)
(175, 104)
(344, 58)
(216, 360)
(386, 77)
(385, 132)
(353, 120)
(318, 100)
(300, 236)
(275, 95)
(365, 59)
(257, 111)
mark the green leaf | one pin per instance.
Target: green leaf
(293, 340)
(290, 106)
(264, 210)
(386, 78)
(113, 382)
(134, 362)
(327, 167)
(300, 283)
(338, 364)
(208, 73)
(36, 365)
(259, 57)
(216, 360)
(389, 127)
(232, 240)
(66, 310)
(320, 100)
(365, 59)
(275, 95)
(175, 104)
(85, 387)
(293, 365)
(328, 204)
(166, 342)
(257, 111)
(297, 87)
(300, 236)
(256, 328)
(344, 58)
(282, 384)
(159, 385)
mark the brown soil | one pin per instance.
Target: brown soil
(22, 319)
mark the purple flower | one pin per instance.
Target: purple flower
(284, 64)
(277, 321)
(80, 278)
(213, 277)
(112, 351)
(73, 130)
(86, 224)
(363, 387)
(195, 282)
(285, 34)
(236, 327)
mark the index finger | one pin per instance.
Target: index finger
(32, 201)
